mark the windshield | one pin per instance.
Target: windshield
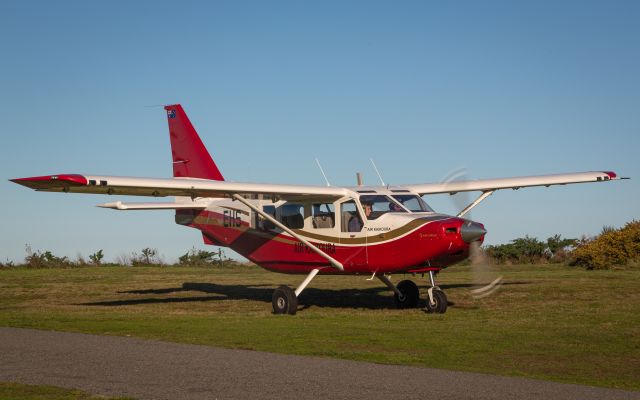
(412, 202)
(379, 205)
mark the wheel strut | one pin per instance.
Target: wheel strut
(391, 286)
(306, 281)
(432, 278)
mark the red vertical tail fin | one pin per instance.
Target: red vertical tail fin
(190, 157)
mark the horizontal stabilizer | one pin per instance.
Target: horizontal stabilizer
(118, 205)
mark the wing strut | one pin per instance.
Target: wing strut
(335, 263)
(477, 201)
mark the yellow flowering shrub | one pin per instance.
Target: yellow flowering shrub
(612, 247)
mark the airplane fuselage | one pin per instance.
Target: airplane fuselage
(393, 242)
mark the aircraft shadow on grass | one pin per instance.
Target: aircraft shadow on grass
(371, 298)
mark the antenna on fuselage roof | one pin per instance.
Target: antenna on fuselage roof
(322, 171)
(358, 178)
(377, 172)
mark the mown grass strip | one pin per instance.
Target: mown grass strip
(17, 391)
(548, 322)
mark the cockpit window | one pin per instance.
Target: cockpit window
(413, 203)
(380, 205)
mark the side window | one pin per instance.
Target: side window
(265, 224)
(323, 215)
(350, 220)
(292, 215)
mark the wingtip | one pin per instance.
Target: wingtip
(47, 181)
(22, 181)
(26, 182)
(614, 176)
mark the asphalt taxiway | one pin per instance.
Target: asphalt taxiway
(148, 369)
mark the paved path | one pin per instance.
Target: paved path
(147, 369)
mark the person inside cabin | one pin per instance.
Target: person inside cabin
(355, 223)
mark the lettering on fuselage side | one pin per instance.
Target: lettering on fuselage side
(231, 218)
(380, 229)
(300, 247)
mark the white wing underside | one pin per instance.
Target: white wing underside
(197, 190)
(511, 183)
(182, 187)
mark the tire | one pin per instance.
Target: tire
(440, 300)
(411, 295)
(284, 301)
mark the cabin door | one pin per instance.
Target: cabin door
(353, 235)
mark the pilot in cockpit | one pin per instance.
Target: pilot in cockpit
(355, 223)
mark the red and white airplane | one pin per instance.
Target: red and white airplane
(294, 229)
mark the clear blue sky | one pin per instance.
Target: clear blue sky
(501, 88)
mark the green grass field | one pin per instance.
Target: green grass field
(16, 391)
(549, 322)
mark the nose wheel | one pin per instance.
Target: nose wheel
(436, 302)
(436, 299)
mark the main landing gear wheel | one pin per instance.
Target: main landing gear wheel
(284, 301)
(410, 295)
(439, 303)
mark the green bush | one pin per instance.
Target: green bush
(96, 258)
(46, 259)
(558, 248)
(147, 257)
(530, 250)
(613, 247)
(201, 258)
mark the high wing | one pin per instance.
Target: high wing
(490, 185)
(199, 188)
(187, 187)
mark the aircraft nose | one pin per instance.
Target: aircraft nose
(472, 231)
